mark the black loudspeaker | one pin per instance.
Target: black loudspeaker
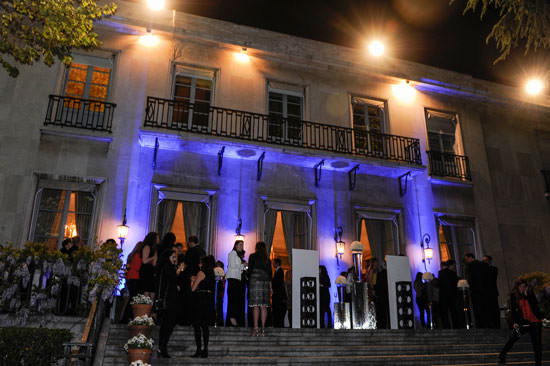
(404, 298)
(308, 302)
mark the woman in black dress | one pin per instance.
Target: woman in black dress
(324, 297)
(204, 312)
(168, 293)
(149, 260)
(259, 267)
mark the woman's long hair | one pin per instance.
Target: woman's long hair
(261, 251)
(151, 240)
(137, 250)
(241, 253)
(208, 262)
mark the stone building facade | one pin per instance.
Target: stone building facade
(219, 122)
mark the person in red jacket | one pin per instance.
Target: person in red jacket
(527, 318)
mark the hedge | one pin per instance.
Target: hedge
(32, 346)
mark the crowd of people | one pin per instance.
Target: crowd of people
(441, 303)
(183, 288)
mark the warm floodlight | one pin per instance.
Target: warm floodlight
(534, 86)
(242, 56)
(404, 91)
(148, 39)
(376, 48)
(156, 4)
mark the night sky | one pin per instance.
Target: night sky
(425, 31)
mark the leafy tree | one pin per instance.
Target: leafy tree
(31, 30)
(519, 22)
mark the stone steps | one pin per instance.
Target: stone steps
(235, 346)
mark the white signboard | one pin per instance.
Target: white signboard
(398, 270)
(305, 263)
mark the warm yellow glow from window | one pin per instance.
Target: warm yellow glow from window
(404, 91)
(242, 56)
(534, 86)
(148, 39)
(156, 4)
(376, 48)
(70, 231)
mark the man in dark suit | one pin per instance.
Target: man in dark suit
(279, 295)
(474, 272)
(191, 259)
(193, 256)
(491, 293)
(448, 294)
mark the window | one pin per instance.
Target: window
(183, 213)
(442, 132)
(88, 78)
(192, 94)
(62, 213)
(456, 238)
(369, 119)
(285, 109)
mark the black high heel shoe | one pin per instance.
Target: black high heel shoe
(197, 354)
(204, 353)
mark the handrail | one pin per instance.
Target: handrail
(449, 165)
(88, 114)
(224, 122)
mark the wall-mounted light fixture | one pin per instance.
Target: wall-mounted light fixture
(123, 230)
(148, 39)
(155, 4)
(340, 245)
(427, 252)
(238, 235)
(242, 55)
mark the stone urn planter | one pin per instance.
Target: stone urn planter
(141, 309)
(135, 354)
(137, 329)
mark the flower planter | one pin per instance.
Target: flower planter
(143, 354)
(141, 309)
(137, 329)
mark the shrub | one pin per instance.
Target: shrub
(32, 346)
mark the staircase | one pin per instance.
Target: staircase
(235, 346)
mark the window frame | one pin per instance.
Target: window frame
(383, 214)
(91, 61)
(453, 117)
(285, 90)
(194, 73)
(70, 185)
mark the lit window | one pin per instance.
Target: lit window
(192, 99)
(62, 214)
(456, 238)
(369, 119)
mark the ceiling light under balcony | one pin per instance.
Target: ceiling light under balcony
(149, 39)
(242, 55)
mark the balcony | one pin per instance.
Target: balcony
(215, 121)
(449, 165)
(79, 113)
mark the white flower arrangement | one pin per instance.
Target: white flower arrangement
(140, 363)
(139, 342)
(141, 300)
(142, 320)
(218, 272)
(546, 323)
(463, 284)
(341, 280)
(427, 276)
(356, 246)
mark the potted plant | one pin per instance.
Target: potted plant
(140, 363)
(141, 305)
(139, 347)
(141, 324)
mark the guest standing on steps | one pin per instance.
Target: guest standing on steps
(278, 299)
(527, 319)
(169, 295)
(324, 297)
(147, 273)
(235, 291)
(491, 279)
(259, 288)
(204, 312)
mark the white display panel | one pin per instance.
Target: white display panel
(305, 263)
(398, 270)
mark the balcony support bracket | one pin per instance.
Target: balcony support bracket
(403, 180)
(155, 153)
(220, 160)
(352, 177)
(260, 166)
(317, 170)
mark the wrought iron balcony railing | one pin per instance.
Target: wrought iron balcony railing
(80, 113)
(216, 121)
(449, 165)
